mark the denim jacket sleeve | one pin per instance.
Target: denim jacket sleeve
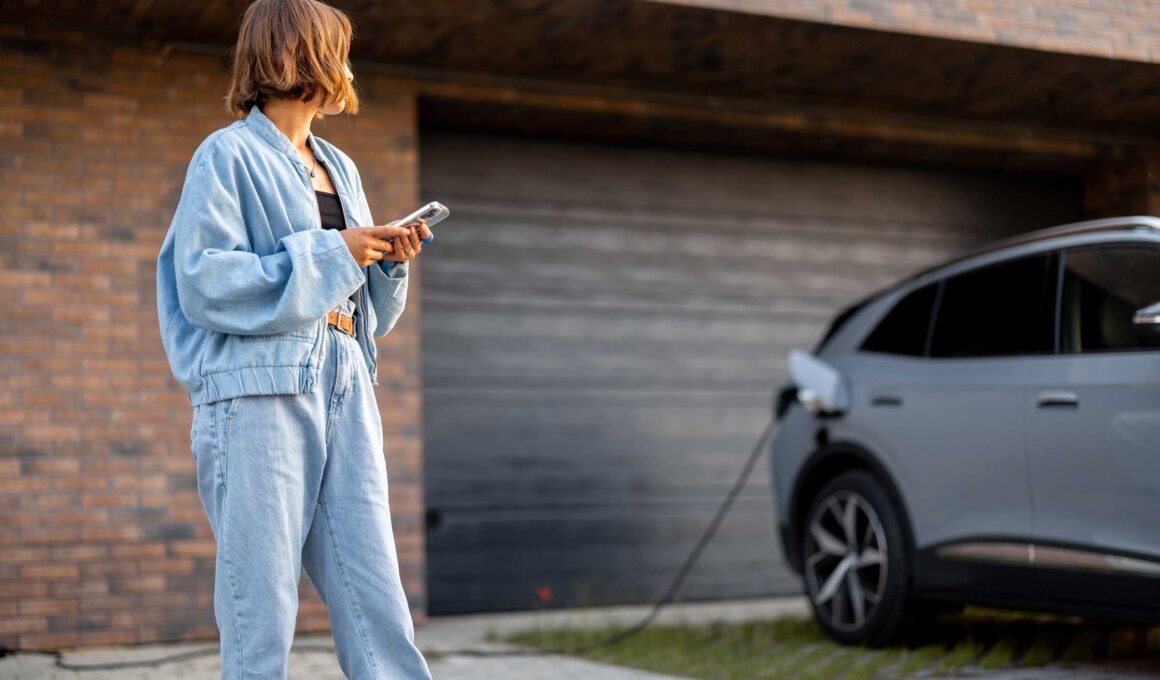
(386, 281)
(224, 286)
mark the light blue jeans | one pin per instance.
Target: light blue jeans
(299, 481)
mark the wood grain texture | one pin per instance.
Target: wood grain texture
(604, 327)
(1043, 72)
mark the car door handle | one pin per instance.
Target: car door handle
(886, 400)
(1050, 398)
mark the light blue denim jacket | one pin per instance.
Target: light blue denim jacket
(246, 273)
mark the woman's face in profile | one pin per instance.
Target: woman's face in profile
(335, 108)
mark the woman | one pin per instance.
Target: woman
(269, 293)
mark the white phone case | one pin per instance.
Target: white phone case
(434, 212)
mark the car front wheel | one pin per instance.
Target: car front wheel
(854, 561)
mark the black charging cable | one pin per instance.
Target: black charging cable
(647, 620)
(677, 582)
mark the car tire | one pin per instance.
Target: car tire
(854, 560)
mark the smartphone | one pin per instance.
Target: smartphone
(433, 213)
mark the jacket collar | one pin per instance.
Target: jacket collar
(270, 132)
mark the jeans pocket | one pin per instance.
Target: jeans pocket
(193, 430)
(224, 424)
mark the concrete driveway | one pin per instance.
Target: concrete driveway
(460, 648)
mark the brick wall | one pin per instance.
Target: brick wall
(1123, 29)
(103, 538)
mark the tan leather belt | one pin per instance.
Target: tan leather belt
(343, 322)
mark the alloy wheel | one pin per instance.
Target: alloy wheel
(846, 560)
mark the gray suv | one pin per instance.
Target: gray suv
(986, 431)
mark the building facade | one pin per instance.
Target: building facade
(651, 202)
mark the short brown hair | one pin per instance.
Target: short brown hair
(291, 49)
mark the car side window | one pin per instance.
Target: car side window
(1005, 309)
(904, 328)
(1103, 287)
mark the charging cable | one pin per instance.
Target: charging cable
(678, 580)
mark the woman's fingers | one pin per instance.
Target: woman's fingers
(387, 230)
(415, 244)
(398, 252)
(403, 247)
(379, 244)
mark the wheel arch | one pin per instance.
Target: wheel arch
(828, 461)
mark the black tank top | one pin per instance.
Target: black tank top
(330, 209)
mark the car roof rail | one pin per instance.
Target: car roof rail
(1085, 227)
(1071, 229)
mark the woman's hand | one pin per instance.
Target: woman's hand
(370, 244)
(407, 246)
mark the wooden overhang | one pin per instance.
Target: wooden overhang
(672, 73)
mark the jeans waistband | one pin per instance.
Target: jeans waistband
(347, 307)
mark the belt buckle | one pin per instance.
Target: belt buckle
(341, 321)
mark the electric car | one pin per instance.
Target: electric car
(984, 432)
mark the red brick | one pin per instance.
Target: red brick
(54, 432)
(23, 485)
(49, 641)
(51, 466)
(170, 566)
(108, 500)
(47, 399)
(32, 607)
(82, 483)
(80, 553)
(23, 625)
(89, 515)
(16, 279)
(49, 572)
(109, 637)
(16, 416)
(111, 534)
(83, 588)
(139, 482)
(21, 554)
(51, 501)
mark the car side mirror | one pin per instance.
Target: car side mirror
(1146, 322)
(820, 387)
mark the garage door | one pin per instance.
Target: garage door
(603, 329)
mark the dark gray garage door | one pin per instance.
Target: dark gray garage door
(603, 328)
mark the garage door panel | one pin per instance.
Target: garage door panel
(644, 350)
(662, 262)
(628, 558)
(572, 451)
(582, 173)
(662, 238)
(604, 327)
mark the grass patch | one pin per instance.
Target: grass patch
(1040, 653)
(999, 655)
(960, 656)
(796, 648)
(1083, 647)
(913, 661)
